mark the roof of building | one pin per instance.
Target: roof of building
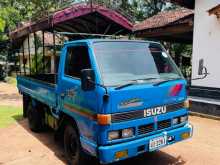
(215, 10)
(81, 18)
(171, 26)
(85, 18)
(163, 19)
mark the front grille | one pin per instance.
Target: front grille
(174, 107)
(127, 116)
(144, 129)
(133, 115)
(164, 124)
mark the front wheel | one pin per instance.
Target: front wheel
(73, 151)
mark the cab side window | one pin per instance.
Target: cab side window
(77, 59)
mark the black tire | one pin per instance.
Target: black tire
(35, 118)
(73, 150)
(25, 105)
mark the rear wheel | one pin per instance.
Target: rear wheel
(25, 105)
(35, 117)
(73, 151)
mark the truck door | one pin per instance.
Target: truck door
(81, 105)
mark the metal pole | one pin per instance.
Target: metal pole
(24, 66)
(89, 34)
(29, 54)
(19, 58)
(35, 54)
(54, 49)
(43, 60)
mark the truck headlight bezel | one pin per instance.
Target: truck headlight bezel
(113, 135)
(175, 121)
(179, 120)
(127, 133)
(121, 134)
(183, 119)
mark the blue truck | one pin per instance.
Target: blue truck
(110, 99)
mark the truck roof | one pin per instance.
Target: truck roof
(107, 40)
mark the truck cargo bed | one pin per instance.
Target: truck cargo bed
(45, 78)
(41, 87)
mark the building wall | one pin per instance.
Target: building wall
(206, 44)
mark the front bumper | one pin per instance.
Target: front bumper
(132, 148)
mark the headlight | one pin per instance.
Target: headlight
(120, 134)
(179, 120)
(126, 133)
(183, 119)
(113, 135)
(175, 121)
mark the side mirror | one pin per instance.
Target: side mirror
(201, 67)
(87, 79)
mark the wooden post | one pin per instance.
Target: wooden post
(177, 59)
(15, 61)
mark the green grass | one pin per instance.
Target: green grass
(11, 80)
(9, 115)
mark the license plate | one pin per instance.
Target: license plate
(157, 143)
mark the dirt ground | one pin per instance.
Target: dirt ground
(9, 95)
(19, 146)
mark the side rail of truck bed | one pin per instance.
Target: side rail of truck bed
(37, 89)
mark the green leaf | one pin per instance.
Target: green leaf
(2, 25)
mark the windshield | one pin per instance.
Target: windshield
(122, 62)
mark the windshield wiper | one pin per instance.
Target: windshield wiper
(151, 78)
(124, 85)
(130, 84)
(165, 81)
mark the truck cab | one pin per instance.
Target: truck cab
(121, 98)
